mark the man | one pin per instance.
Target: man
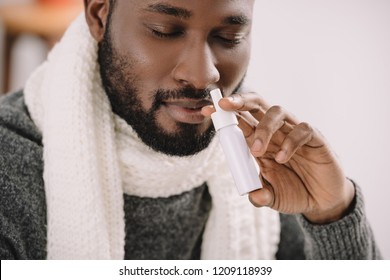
(109, 152)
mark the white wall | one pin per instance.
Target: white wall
(328, 62)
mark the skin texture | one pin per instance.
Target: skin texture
(168, 91)
(170, 53)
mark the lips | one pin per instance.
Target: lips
(186, 110)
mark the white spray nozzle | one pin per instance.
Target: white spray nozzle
(216, 95)
(221, 118)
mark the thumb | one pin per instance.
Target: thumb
(262, 197)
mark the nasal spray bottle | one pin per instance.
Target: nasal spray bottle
(238, 156)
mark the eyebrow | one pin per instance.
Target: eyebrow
(163, 8)
(236, 20)
(167, 9)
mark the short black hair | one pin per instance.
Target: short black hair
(112, 5)
(110, 12)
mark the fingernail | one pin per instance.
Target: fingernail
(281, 156)
(257, 145)
(231, 99)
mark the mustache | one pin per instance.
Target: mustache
(187, 92)
(162, 95)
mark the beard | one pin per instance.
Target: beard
(120, 86)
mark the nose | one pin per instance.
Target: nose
(196, 66)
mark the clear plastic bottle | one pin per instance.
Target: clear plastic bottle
(240, 161)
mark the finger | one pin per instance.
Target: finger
(299, 136)
(246, 121)
(246, 126)
(302, 134)
(262, 197)
(207, 110)
(251, 102)
(273, 120)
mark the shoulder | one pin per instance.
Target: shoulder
(14, 117)
(22, 196)
(20, 141)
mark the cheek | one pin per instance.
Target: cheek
(152, 61)
(233, 68)
(147, 68)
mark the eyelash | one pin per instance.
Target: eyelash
(166, 35)
(173, 35)
(233, 42)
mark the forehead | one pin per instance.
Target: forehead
(187, 9)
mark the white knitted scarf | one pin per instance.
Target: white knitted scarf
(91, 157)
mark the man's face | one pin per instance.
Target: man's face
(159, 60)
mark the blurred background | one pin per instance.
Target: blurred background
(328, 62)
(28, 29)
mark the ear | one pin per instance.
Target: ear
(96, 14)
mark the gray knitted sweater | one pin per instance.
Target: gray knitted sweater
(163, 228)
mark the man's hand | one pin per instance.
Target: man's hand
(300, 173)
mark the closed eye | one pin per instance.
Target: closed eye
(231, 39)
(160, 34)
(165, 31)
(235, 41)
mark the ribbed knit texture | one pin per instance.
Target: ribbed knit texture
(343, 239)
(91, 157)
(64, 96)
